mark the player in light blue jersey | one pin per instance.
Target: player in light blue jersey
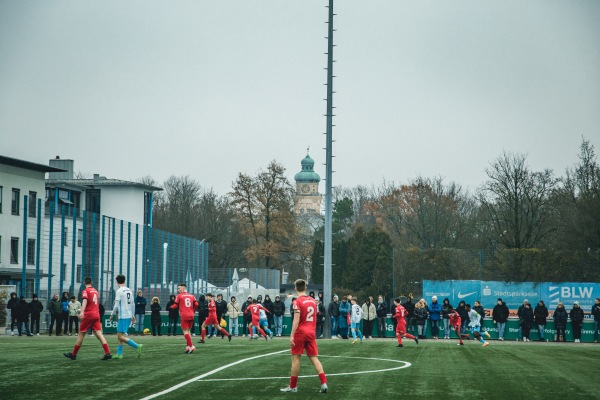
(263, 322)
(355, 318)
(475, 324)
(125, 309)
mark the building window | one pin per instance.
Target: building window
(78, 277)
(65, 236)
(32, 204)
(79, 237)
(14, 250)
(63, 272)
(147, 207)
(30, 251)
(0, 199)
(16, 201)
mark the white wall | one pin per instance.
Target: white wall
(126, 203)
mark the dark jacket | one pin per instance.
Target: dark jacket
(410, 308)
(596, 312)
(22, 310)
(320, 313)
(12, 302)
(55, 307)
(381, 309)
(247, 315)
(334, 309)
(268, 304)
(155, 316)
(202, 308)
(540, 313)
(446, 308)
(576, 315)
(35, 308)
(278, 308)
(462, 311)
(221, 309)
(173, 312)
(526, 317)
(421, 315)
(560, 318)
(500, 312)
(481, 311)
(140, 305)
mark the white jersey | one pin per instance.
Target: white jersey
(357, 314)
(124, 304)
(474, 318)
(262, 314)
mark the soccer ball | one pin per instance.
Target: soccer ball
(146, 331)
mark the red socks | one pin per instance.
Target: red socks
(203, 334)
(76, 349)
(106, 349)
(294, 381)
(322, 378)
(188, 339)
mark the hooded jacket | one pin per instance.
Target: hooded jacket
(12, 302)
(540, 313)
(446, 308)
(334, 309)
(577, 314)
(560, 318)
(173, 312)
(435, 310)
(462, 311)
(369, 311)
(381, 309)
(500, 312)
(35, 307)
(278, 307)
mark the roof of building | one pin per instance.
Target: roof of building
(308, 173)
(15, 162)
(99, 181)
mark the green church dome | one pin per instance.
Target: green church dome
(308, 173)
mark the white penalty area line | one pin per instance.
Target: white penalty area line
(214, 371)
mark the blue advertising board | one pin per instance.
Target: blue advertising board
(513, 293)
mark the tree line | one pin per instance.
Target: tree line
(519, 225)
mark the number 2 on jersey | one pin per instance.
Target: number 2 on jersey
(311, 314)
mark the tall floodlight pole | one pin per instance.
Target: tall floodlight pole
(328, 173)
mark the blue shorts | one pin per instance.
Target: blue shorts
(123, 324)
(476, 328)
(354, 325)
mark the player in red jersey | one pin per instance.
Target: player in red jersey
(400, 314)
(187, 304)
(455, 322)
(302, 337)
(254, 310)
(89, 317)
(212, 319)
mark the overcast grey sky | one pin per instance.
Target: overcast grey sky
(212, 88)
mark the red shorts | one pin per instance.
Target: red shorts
(256, 321)
(401, 329)
(187, 323)
(304, 342)
(86, 323)
(211, 321)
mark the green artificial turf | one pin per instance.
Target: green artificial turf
(35, 368)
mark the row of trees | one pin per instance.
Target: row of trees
(519, 225)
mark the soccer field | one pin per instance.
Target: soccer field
(35, 368)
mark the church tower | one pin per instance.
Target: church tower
(308, 199)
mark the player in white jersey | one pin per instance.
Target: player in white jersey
(475, 324)
(355, 318)
(125, 309)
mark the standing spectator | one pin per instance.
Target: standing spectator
(369, 315)
(173, 316)
(519, 314)
(500, 316)
(35, 309)
(381, 310)
(446, 310)
(55, 309)
(155, 316)
(202, 314)
(334, 316)
(74, 309)
(320, 318)
(221, 306)
(22, 308)
(64, 303)
(292, 316)
(12, 303)
(410, 309)
(140, 312)
(435, 312)
(344, 308)
(246, 317)
(233, 312)
(560, 322)
(540, 313)
(596, 315)
(464, 315)
(480, 310)
(278, 311)
(526, 322)
(421, 315)
(576, 320)
(268, 304)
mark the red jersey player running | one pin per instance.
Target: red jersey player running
(455, 322)
(212, 319)
(187, 304)
(303, 338)
(400, 314)
(90, 317)
(254, 310)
